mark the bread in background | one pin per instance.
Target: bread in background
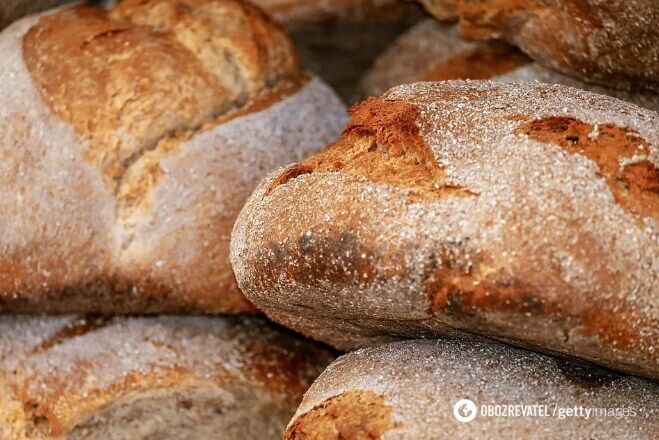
(130, 140)
(614, 43)
(434, 51)
(175, 377)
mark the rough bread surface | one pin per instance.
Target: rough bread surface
(79, 377)
(536, 72)
(433, 51)
(130, 140)
(524, 212)
(407, 390)
(611, 42)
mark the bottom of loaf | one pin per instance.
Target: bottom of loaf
(150, 377)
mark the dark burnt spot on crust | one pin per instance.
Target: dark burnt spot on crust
(381, 143)
(635, 185)
(471, 292)
(357, 414)
(322, 256)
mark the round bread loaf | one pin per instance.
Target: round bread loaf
(339, 39)
(129, 142)
(410, 390)
(433, 51)
(612, 42)
(150, 378)
(524, 212)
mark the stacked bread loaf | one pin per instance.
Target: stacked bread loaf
(481, 234)
(129, 140)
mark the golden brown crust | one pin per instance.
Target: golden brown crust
(635, 185)
(482, 63)
(381, 143)
(85, 65)
(62, 381)
(433, 51)
(603, 41)
(551, 246)
(354, 415)
(133, 137)
(422, 381)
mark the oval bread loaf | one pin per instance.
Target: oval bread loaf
(160, 377)
(524, 212)
(129, 141)
(433, 51)
(611, 42)
(409, 390)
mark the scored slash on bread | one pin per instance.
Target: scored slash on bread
(409, 390)
(89, 378)
(522, 212)
(130, 140)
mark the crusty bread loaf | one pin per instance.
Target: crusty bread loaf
(524, 212)
(339, 39)
(129, 142)
(433, 51)
(151, 378)
(408, 390)
(611, 42)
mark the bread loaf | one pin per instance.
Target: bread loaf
(523, 212)
(433, 51)
(129, 141)
(161, 377)
(610, 42)
(410, 390)
(339, 39)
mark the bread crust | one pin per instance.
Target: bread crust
(536, 225)
(609, 42)
(131, 211)
(433, 51)
(65, 373)
(408, 391)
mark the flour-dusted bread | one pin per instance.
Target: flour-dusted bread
(151, 378)
(536, 72)
(524, 212)
(339, 39)
(129, 142)
(611, 42)
(408, 390)
(433, 51)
